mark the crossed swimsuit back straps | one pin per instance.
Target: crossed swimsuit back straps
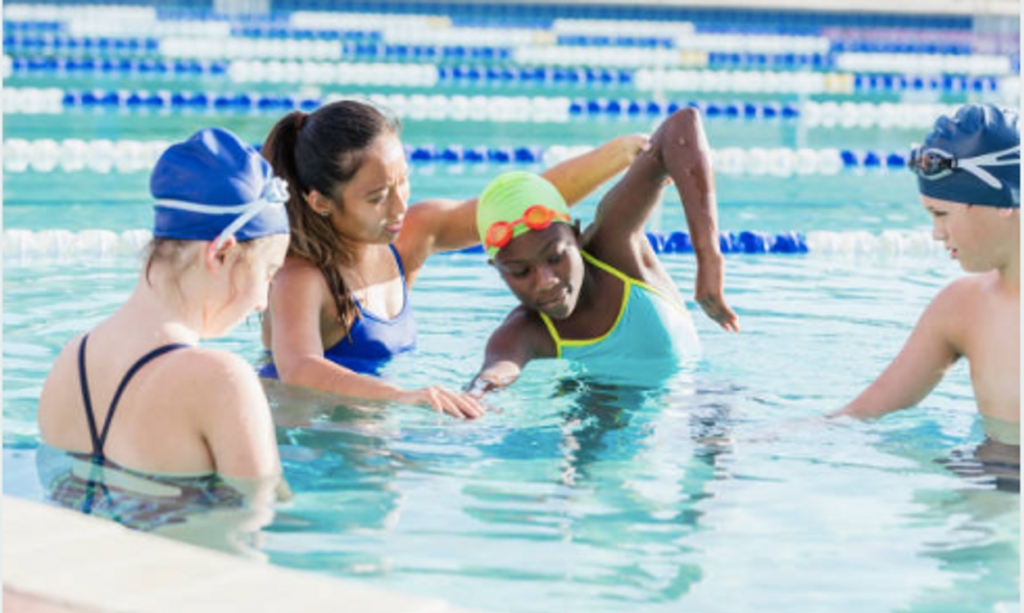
(99, 438)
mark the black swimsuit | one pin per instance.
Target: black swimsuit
(100, 438)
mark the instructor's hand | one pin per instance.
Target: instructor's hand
(445, 401)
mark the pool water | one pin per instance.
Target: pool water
(719, 489)
(716, 491)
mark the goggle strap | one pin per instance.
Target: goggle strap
(992, 159)
(984, 175)
(975, 165)
(253, 209)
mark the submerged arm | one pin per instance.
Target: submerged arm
(510, 348)
(917, 369)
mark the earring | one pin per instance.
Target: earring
(325, 214)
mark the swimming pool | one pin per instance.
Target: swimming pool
(714, 491)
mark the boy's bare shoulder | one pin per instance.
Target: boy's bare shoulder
(957, 311)
(966, 293)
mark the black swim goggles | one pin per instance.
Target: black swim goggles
(932, 163)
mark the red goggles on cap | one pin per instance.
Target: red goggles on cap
(537, 217)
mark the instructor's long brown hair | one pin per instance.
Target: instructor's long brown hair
(322, 151)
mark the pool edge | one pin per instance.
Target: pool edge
(68, 561)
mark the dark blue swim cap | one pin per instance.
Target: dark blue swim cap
(213, 186)
(981, 144)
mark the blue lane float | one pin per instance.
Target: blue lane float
(862, 46)
(732, 242)
(79, 44)
(511, 74)
(370, 45)
(642, 42)
(33, 60)
(27, 246)
(579, 107)
(380, 50)
(482, 108)
(57, 65)
(21, 154)
(284, 32)
(351, 45)
(706, 19)
(35, 27)
(771, 61)
(746, 242)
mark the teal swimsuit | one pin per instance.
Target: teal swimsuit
(651, 328)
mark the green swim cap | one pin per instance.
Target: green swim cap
(507, 197)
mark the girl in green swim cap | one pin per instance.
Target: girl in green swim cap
(602, 295)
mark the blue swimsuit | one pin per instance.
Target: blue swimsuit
(374, 340)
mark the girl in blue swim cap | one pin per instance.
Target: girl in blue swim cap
(339, 308)
(968, 172)
(137, 391)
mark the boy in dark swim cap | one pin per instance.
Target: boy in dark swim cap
(968, 173)
(601, 297)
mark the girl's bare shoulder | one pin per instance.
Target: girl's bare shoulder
(209, 380)
(299, 277)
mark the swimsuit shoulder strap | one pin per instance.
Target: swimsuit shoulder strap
(99, 439)
(401, 267)
(559, 343)
(553, 332)
(83, 383)
(608, 268)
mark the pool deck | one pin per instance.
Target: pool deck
(60, 561)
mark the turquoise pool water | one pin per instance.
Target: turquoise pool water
(715, 491)
(709, 493)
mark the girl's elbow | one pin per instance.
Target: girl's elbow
(293, 371)
(684, 119)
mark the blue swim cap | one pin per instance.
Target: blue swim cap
(213, 186)
(973, 158)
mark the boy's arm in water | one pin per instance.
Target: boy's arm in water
(679, 150)
(920, 365)
(447, 225)
(519, 339)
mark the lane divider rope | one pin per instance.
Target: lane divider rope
(536, 109)
(128, 156)
(26, 246)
